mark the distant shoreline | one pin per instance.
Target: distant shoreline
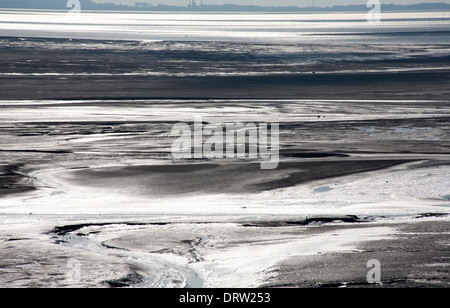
(136, 11)
(88, 5)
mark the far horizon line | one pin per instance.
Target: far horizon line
(89, 5)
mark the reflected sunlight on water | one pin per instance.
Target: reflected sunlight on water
(248, 27)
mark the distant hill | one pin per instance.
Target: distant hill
(141, 6)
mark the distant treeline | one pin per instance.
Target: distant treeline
(142, 6)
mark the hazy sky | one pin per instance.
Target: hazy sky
(269, 2)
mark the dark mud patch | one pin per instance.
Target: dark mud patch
(310, 221)
(432, 215)
(324, 220)
(233, 178)
(289, 154)
(17, 239)
(64, 230)
(39, 151)
(417, 257)
(307, 172)
(112, 247)
(10, 178)
(130, 280)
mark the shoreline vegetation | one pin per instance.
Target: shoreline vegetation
(195, 7)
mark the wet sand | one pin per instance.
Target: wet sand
(417, 257)
(12, 182)
(88, 69)
(217, 179)
(433, 85)
(413, 253)
(94, 181)
(67, 171)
